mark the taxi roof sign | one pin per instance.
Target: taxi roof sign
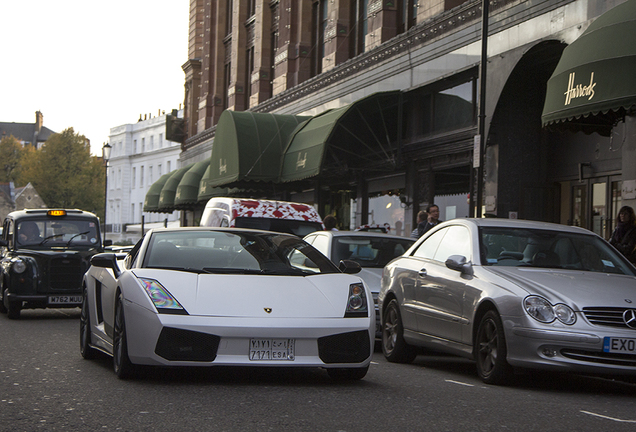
(56, 213)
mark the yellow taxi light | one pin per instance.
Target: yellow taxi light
(56, 213)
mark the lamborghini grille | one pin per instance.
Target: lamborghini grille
(353, 347)
(186, 345)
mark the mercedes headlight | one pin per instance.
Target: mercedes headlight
(543, 311)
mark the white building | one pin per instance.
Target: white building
(140, 155)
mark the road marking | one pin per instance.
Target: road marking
(608, 418)
(374, 362)
(459, 382)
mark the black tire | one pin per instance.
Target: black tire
(348, 374)
(122, 365)
(490, 350)
(13, 307)
(87, 351)
(3, 308)
(394, 347)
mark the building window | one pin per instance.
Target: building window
(141, 212)
(407, 15)
(320, 21)
(227, 72)
(228, 17)
(168, 170)
(141, 177)
(435, 109)
(132, 212)
(150, 174)
(249, 62)
(160, 140)
(134, 146)
(359, 26)
(134, 176)
(251, 8)
(143, 145)
(158, 170)
(152, 142)
(274, 44)
(119, 178)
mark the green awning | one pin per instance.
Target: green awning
(151, 202)
(594, 82)
(362, 135)
(187, 193)
(248, 147)
(169, 190)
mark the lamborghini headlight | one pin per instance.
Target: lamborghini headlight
(357, 301)
(161, 298)
(543, 311)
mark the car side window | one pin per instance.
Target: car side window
(133, 254)
(455, 242)
(428, 248)
(9, 233)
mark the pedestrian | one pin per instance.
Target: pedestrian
(624, 236)
(432, 219)
(330, 223)
(421, 217)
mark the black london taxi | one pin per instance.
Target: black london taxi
(44, 254)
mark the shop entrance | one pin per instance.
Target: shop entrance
(594, 203)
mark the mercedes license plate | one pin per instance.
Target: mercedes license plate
(619, 345)
(65, 299)
(272, 349)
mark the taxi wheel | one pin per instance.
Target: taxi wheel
(13, 308)
(121, 362)
(86, 350)
(3, 308)
(491, 351)
(394, 346)
(348, 374)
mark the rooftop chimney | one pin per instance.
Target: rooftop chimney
(39, 121)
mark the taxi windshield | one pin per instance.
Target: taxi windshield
(57, 233)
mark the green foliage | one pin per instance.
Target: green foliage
(65, 174)
(10, 155)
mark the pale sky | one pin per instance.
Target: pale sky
(91, 65)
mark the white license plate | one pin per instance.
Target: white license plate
(65, 299)
(619, 345)
(272, 349)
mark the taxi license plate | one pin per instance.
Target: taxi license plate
(619, 345)
(272, 349)
(65, 299)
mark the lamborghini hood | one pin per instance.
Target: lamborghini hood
(221, 295)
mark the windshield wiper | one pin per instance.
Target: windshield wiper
(288, 271)
(224, 270)
(49, 238)
(76, 235)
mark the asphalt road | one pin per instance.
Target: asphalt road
(46, 385)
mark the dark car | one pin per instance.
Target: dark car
(44, 255)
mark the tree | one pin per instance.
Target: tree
(10, 155)
(65, 174)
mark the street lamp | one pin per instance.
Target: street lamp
(106, 156)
